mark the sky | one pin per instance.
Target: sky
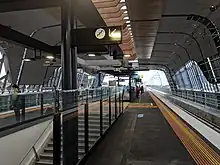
(153, 77)
(2, 73)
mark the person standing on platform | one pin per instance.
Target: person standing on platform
(142, 89)
(16, 102)
(137, 92)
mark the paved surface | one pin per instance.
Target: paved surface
(141, 141)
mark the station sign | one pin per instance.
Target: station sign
(97, 36)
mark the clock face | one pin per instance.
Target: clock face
(100, 33)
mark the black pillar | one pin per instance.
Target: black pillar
(68, 54)
(69, 81)
(74, 61)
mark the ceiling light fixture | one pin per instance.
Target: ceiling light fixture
(124, 7)
(133, 61)
(127, 55)
(50, 57)
(126, 17)
(91, 55)
(27, 59)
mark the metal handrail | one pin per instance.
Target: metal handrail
(207, 99)
(33, 146)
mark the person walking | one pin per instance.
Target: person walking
(16, 102)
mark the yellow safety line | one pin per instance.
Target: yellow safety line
(142, 106)
(200, 151)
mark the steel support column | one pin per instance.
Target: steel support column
(69, 81)
(68, 55)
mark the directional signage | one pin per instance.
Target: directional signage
(97, 36)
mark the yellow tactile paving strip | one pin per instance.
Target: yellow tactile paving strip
(142, 105)
(200, 151)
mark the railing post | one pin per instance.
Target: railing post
(56, 101)
(116, 115)
(36, 154)
(23, 107)
(110, 108)
(56, 139)
(86, 123)
(195, 97)
(123, 101)
(42, 104)
(101, 114)
(119, 100)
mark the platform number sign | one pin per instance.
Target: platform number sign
(100, 33)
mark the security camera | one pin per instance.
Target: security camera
(212, 8)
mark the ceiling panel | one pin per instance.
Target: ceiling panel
(145, 16)
(191, 38)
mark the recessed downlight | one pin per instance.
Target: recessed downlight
(27, 59)
(49, 57)
(91, 55)
(124, 7)
(127, 55)
(133, 61)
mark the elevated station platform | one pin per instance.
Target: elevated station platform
(150, 132)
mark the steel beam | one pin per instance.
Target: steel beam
(17, 5)
(12, 35)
